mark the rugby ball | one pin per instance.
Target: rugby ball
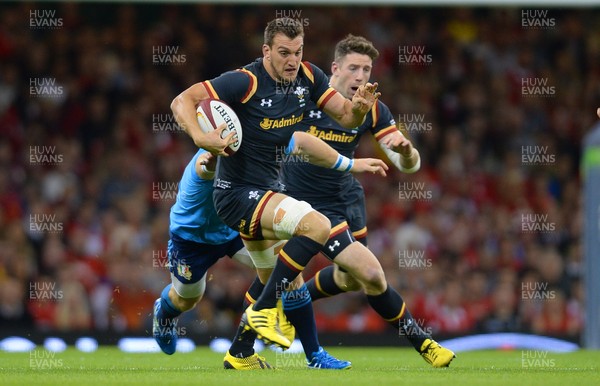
(212, 113)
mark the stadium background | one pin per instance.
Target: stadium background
(487, 237)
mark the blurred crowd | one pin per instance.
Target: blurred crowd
(484, 238)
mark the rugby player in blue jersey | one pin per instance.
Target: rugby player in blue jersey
(198, 239)
(340, 197)
(270, 97)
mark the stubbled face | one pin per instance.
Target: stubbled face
(352, 71)
(282, 59)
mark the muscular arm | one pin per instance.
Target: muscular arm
(184, 110)
(321, 154)
(351, 114)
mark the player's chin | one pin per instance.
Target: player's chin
(289, 76)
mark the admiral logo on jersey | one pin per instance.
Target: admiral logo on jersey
(332, 135)
(268, 123)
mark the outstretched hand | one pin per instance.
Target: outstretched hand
(398, 143)
(364, 98)
(373, 165)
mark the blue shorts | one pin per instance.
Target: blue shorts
(189, 260)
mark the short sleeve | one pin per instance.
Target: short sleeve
(382, 121)
(232, 86)
(322, 91)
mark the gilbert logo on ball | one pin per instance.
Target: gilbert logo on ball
(212, 113)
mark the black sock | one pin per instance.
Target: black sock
(392, 308)
(253, 292)
(243, 343)
(322, 284)
(291, 260)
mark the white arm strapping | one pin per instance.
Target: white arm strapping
(395, 158)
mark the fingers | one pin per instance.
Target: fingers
(231, 138)
(204, 158)
(598, 112)
(380, 171)
(369, 88)
(382, 164)
(222, 142)
(397, 143)
(218, 152)
(379, 167)
(372, 89)
(220, 128)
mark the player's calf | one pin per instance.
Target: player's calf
(164, 325)
(169, 306)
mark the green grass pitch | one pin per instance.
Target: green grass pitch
(371, 366)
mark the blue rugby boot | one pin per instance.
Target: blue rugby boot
(322, 360)
(165, 336)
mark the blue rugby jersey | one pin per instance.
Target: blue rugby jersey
(193, 216)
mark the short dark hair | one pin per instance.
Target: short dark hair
(355, 44)
(291, 28)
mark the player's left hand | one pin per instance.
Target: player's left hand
(398, 143)
(598, 112)
(208, 160)
(204, 158)
(365, 97)
(372, 165)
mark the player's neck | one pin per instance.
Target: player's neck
(333, 83)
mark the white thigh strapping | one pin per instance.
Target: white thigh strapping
(243, 256)
(266, 258)
(187, 290)
(288, 214)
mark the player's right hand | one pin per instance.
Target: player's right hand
(365, 97)
(215, 144)
(373, 165)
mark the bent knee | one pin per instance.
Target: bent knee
(315, 226)
(373, 278)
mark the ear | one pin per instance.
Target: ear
(266, 51)
(334, 67)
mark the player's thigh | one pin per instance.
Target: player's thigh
(188, 263)
(355, 212)
(265, 215)
(284, 217)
